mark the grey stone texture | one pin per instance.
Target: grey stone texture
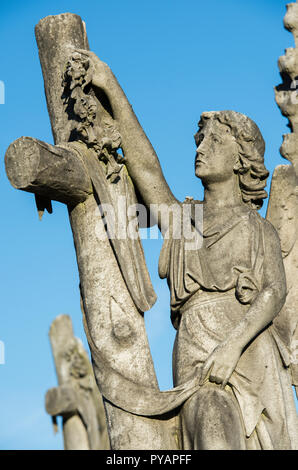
(233, 300)
(77, 398)
(283, 205)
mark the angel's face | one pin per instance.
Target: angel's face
(217, 152)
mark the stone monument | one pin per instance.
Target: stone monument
(76, 398)
(234, 310)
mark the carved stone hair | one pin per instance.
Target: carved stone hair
(252, 171)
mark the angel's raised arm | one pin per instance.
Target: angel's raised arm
(141, 160)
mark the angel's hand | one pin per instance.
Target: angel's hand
(220, 364)
(99, 73)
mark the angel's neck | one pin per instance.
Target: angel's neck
(222, 194)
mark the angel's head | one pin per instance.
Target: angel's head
(229, 143)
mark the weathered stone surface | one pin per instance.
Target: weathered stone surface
(57, 39)
(283, 205)
(231, 359)
(57, 36)
(61, 400)
(223, 301)
(77, 398)
(47, 170)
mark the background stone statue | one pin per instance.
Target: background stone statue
(283, 207)
(77, 398)
(232, 376)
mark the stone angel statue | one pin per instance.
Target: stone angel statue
(233, 293)
(227, 296)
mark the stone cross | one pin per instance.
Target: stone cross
(234, 312)
(76, 398)
(114, 291)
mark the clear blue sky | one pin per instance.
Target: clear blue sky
(174, 59)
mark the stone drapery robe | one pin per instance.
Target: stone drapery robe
(211, 290)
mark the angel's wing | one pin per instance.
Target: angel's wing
(282, 209)
(283, 214)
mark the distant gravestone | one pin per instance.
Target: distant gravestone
(77, 398)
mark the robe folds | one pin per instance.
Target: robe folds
(211, 290)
